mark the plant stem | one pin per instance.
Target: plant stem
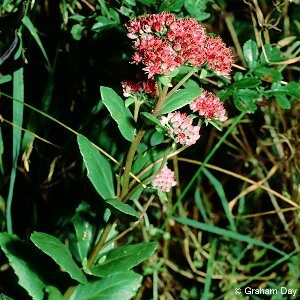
(164, 160)
(181, 82)
(100, 243)
(129, 161)
(161, 99)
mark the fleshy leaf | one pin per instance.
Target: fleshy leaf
(59, 253)
(122, 286)
(123, 258)
(16, 252)
(121, 114)
(98, 168)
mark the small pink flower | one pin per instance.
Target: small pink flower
(209, 106)
(179, 126)
(164, 180)
(219, 57)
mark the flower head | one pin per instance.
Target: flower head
(163, 43)
(130, 88)
(218, 55)
(164, 180)
(179, 127)
(209, 106)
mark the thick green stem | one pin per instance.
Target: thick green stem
(181, 82)
(129, 161)
(134, 190)
(100, 244)
(160, 102)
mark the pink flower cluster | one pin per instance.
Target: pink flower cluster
(209, 106)
(147, 86)
(219, 57)
(180, 127)
(163, 43)
(164, 180)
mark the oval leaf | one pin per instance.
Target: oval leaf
(121, 114)
(59, 253)
(247, 83)
(123, 286)
(98, 169)
(180, 99)
(123, 258)
(16, 251)
(250, 50)
(119, 208)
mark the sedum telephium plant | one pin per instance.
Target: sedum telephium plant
(161, 102)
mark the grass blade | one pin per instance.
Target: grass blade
(18, 93)
(33, 31)
(200, 206)
(209, 270)
(226, 233)
(221, 193)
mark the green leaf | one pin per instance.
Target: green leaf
(59, 253)
(84, 227)
(293, 89)
(119, 208)
(103, 23)
(16, 252)
(244, 100)
(33, 31)
(282, 100)
(98, 169)
(247, 83)
(171, 5)
(209, 270)
(18, 109)
(180, 99)
(196, 9)
(53, 293)
(200, 206)
(156, 138)
(221, 193)
(147, 2)
(5, 79)
(165, 80)
(4, 297)
(123, 258)
(250, 51)
(273, 55)
(226, 233)
(151, 118)
(122, 286)
(267, 74)
(119, 112)
(77, 31)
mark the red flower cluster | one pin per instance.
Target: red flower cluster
(163, 43)
(218, 56)
(209, 106)
(147, 86)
